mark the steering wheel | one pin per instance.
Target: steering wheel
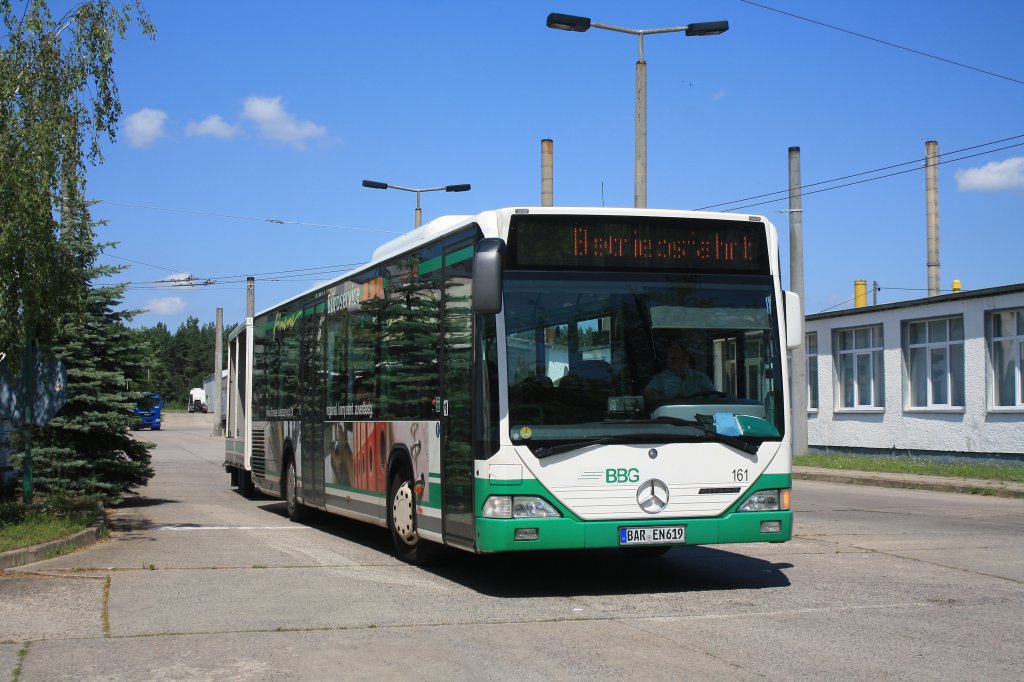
(707, 394)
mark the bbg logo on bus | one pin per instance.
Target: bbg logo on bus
(621, 475)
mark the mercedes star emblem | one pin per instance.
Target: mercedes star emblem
(652, 496)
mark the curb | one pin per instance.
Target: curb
(970, 487)
(48, 550)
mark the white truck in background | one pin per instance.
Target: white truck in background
(197, 401)
(209, 385)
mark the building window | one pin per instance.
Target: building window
(811, 340)
(1005, 331)
(859, 368)
(934, 357)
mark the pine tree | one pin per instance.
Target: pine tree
(156, 377)
(87, 449)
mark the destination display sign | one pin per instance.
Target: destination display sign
(637, 243)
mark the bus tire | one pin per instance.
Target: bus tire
(233, 472)
(296, 511)
(409, 547)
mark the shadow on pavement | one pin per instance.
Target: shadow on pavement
(141, 502)
(358, 532)
(610, 572)
(572, 573)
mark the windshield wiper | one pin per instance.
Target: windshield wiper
(549, 450)
(708, 428)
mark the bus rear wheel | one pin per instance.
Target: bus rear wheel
(409, 546)
(296, 512)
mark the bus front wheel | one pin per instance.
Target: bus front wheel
(409, 547)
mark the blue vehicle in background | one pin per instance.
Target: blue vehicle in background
(147, 413)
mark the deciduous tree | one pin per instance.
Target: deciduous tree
(58, 99)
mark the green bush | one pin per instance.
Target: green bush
(44, 520)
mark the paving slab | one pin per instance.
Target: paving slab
(9, 659)
(44, 607)
(581, 650)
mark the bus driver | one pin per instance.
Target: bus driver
(678, 379)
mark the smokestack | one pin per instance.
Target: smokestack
(547, 177)
(860, 293)
(931, 179)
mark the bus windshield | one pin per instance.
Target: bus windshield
(638, 357)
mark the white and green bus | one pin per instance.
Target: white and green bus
(485, 383)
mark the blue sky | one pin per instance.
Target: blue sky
(242, 113)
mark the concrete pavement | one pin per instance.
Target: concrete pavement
(971, 486)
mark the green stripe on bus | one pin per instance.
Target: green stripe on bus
(429, 265)
(456, 257)
(453, 258)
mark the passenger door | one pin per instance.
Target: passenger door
(312, 403)
(456, 413)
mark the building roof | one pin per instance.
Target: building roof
(961, 296)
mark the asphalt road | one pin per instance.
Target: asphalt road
(198, 583)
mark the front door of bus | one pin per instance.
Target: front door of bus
(312, 403)
(456, 416)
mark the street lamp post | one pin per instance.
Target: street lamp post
(568, 22)
(372, 184)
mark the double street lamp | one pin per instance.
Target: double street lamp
(372, 184)
(567, 22)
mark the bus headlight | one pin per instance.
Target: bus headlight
(518, 507)
(766, 500)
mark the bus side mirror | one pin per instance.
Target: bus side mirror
(488, 268)
(794, 321)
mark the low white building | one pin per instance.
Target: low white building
(939, 375)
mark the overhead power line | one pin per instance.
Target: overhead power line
(189, 280)
(915, 163)
(885, 42)
(275, 221)
(879, 288)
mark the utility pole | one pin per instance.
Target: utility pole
(218, 350)
(640, 133)
(250, 297)
(547, 179)
(798, 369)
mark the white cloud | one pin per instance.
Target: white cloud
(993, 177)
(718, 95)
(277, 124)
(145, 127)
(169, 305)
(212, 126)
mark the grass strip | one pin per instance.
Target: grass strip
(28, 525)
(910, 465)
